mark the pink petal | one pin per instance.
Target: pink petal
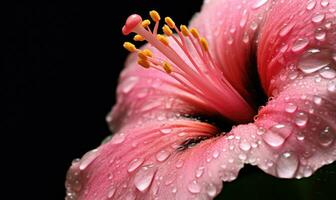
(148, 162)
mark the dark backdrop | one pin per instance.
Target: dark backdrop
(58, 77)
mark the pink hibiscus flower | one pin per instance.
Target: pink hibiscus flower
(164, 149)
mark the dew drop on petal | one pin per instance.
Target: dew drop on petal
(328, 73)
(286, 29)
(300, 44)
(318, 18)
(246, 38)
(324, 3)
(199, 172)
(194, 187)
(215, 154)
(162, 155)
(244, 18)
(326, 137)
(301, 119)
(179, 164)
(311, 4)
(118, 139)
(317, 100)
(291, 107)
(144, 178)
(254, 26)
(245, 146)
(88, 158)
(111, 192)
(259, 3)
(134, 164)
(211, 190)
(331, 87)
(277, 134)
(320, 35)
(287, 165)
(129, 84)
(166, 130)
(313, 60)
(300, 136)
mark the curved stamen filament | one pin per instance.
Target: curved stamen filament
(199, 73)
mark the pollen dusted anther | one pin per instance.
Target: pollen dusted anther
(196, 70)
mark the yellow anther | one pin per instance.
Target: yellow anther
(167, 67)
(138, 38)
(163, 39)
(148, 52)
(167, 30)
(194, 32)
(154, 15)
(204, 44)
(170, 22)
(129, 46)
(144, 63)
(145, 23)
(142, 55)
(184, 30)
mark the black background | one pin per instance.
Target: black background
(60, 68)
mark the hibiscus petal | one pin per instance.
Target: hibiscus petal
(158, 160)
(296, 64)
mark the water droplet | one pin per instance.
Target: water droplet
(331, 86)
(287, 165)
(307, 171)
(211, 190)
(134, 164)
(230, 40)
(174, 190)
(291, 108)
(320, 34)
(286, 29)
(317, 100)
(144, 178)
(111, 192)
(143, 93)
(129, 84)
(326, 137)
(118, 138)
(215, 154)
(324, 3)
(300, 44)
(328, 25)
(245, 146)
(254, 25)
(314, 60)
(244, 18)
(328, 73)
(311, 5)
(259, 3)
(300, 136)
(88, 158)
(301, 119)
(179, 164)
(199, 172)
(242, 156)
(162, 155)
(277, 134)
(166, 130)
(260, 131)
(319, 17)
(246, 38)
(194, 187)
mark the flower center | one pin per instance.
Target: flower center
(196, 70)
